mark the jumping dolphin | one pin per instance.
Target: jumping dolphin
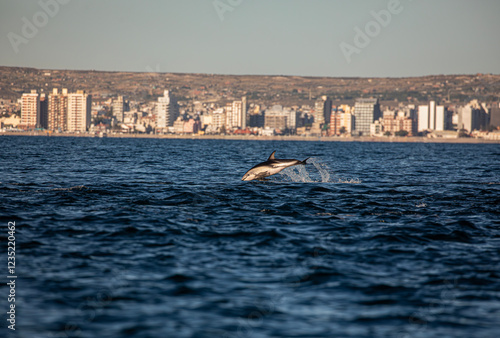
(270, 167)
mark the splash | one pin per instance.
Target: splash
(320, 174)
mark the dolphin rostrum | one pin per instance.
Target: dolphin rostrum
(270, 167)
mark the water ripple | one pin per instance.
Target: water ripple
(123, 237)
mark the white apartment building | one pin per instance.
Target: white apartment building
(236, 114)
(432, 117)
(423, 118)
(166, 111)
(79, 109)
(218, 119)
(30, 110)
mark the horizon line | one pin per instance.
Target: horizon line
(256, 75)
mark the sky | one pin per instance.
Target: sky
(335, 38)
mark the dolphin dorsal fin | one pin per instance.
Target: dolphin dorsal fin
(272, 156)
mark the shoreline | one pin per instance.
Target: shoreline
(390, 139)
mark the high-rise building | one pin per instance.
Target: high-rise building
(58, 110)
(432, 117)
(335, 121)
(323, 110)
(366, 111)
(495, 115)
(244, 112)
(218, 121)
(423, 118)
(30, 110)
(341, 120)
(327, 109)
(441, 119)
(119, 108)
(236, 114)
(256, 120)
(79, 109)
(233, 115)
(319, 112)
(273, 120)
(44, 113)
(472, 117)
(467, 118)
(228, 110)
(167, 111)
(279, 118)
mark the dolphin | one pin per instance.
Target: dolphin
(270, 167)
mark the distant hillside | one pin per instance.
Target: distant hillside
(262, 89)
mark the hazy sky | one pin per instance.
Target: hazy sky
(279, 37)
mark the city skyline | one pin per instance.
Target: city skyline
(386, 38)
(78, 112)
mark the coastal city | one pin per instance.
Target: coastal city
(83, 111)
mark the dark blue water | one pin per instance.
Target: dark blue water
(160, 238)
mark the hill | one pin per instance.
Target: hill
(262, 89)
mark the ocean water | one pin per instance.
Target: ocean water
(161, 238)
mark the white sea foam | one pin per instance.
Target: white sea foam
(321, 173)
(78, 187)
